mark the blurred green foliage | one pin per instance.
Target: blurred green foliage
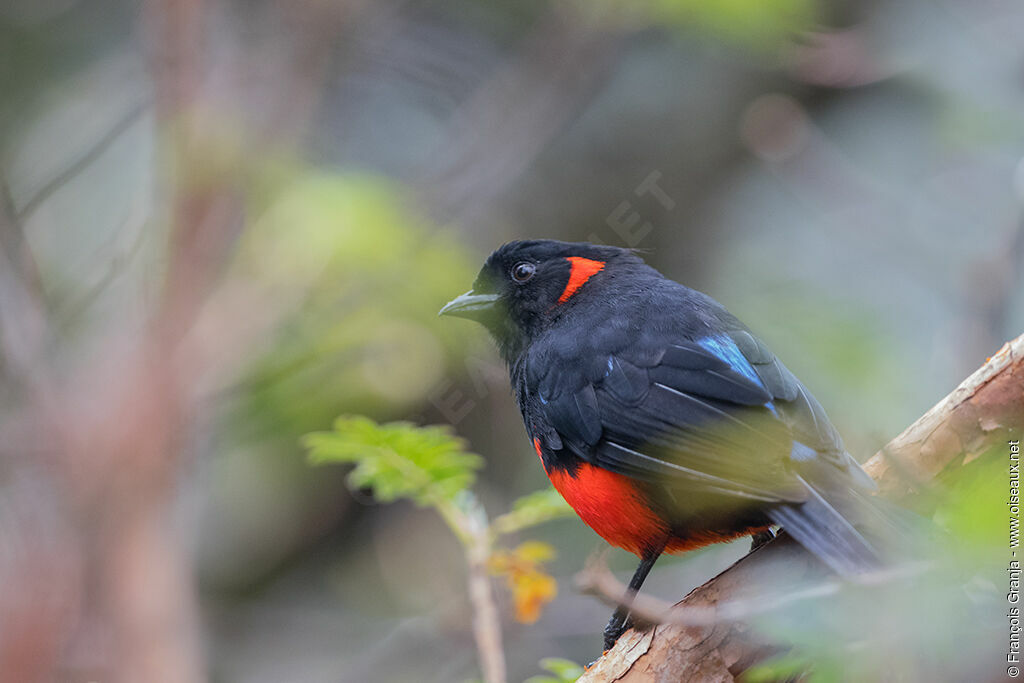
(360, 277)
(398, 460)
(430, 466)
(342, 283)
(533, 509)
(756, 23)
(937, 624)
(751, 24)
(562, 671)
(973, 507)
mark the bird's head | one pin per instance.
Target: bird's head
(525, 286)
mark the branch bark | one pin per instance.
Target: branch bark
(959, 429)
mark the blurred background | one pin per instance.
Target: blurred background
(223, 223)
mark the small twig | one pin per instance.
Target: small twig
(597, 580)
(486, 622)
(24, 320)
(81, 163)
(470, 526)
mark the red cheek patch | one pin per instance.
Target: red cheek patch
(582, 270)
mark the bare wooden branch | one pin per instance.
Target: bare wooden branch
(987, 407)
(958, 429)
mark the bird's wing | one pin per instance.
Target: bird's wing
(716, 413)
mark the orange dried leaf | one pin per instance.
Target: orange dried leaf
(531, 587)
(531, 592)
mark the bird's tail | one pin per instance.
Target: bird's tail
(851, 532)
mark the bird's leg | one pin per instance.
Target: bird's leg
(618, 623)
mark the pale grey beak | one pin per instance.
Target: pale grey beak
(470, 305)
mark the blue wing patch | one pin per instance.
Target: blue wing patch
(725, 348)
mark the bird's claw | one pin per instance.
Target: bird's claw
(761, 538)
(617, 625)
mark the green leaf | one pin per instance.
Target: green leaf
(779, 668)
(760, 25)
(533, 509)
(755, 23)
(351, 275)
(428, 465)
(565, 669)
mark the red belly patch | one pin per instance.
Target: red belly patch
(611, 505)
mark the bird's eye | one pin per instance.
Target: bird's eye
(523, 271)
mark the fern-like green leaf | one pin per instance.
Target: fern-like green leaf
(533, 509)
(397, 460)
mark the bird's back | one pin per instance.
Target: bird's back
(657, 383)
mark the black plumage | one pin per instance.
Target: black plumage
(616, 367)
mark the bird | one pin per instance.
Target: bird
(663, 421)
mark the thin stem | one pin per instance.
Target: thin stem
(470, 526)
(486, 623)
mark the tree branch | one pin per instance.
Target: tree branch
(987, 407)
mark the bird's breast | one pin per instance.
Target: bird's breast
(610, 504)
